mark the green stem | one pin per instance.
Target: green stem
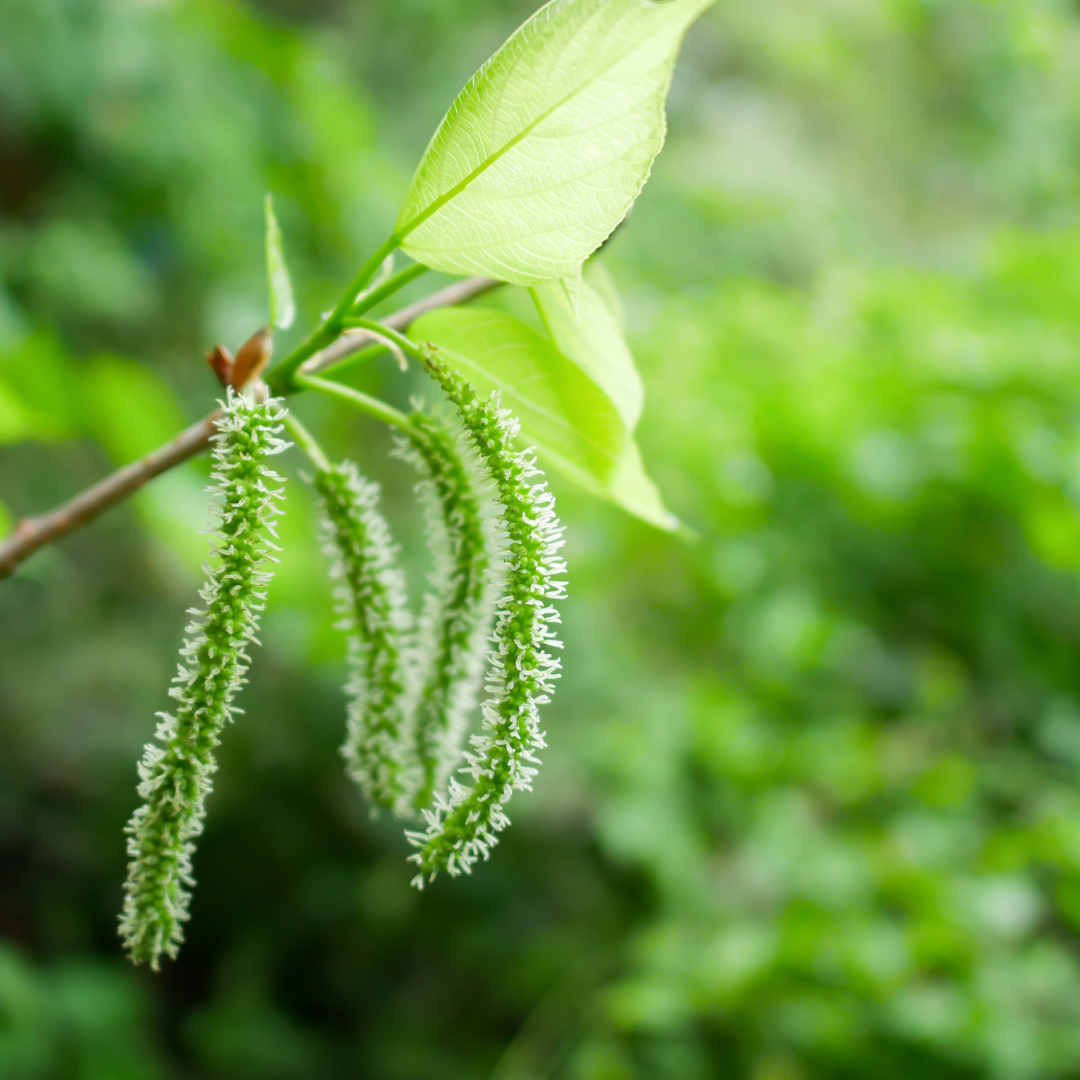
(387, 288)
(281, 378)
(369, 270)
(358, 400)
(306, 441)
(406, 345)
(361, 356)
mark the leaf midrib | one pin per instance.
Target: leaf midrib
(490, 160)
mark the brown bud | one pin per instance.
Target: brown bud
(251, 358)
(221, 363)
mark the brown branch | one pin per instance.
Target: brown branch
(32, 533)
(35, 532)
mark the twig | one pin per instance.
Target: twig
(35, 532)
(355, 340)
(32, 533)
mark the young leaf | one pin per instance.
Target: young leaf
(590, 334)
(548, 145)
(282, 304)
(564, 414)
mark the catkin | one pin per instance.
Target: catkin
(450, 647)
(370, 597)
(175, 771)
(463, 824)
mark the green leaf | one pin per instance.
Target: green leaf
(282, 304)
(591, 335)
(570, 287)
(546, 148)
(39, 387)
(16, 423)
(564, 414)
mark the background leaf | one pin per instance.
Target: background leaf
(563, 413)
(547, 147)
(591, 335)
(130, 411)
(38, 382)
(16, 421)
(282, 304)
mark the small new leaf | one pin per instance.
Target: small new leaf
(548, 145)
(282, 304)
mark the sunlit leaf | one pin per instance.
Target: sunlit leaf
(282, 304)
(564, 414)
(570, 287)
(547, 147)
(591, 335)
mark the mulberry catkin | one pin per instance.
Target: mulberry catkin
(370, 597)
(450, 649)
(463, 824)
(175, 771)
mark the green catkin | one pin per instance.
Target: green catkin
(464, 823)
(175, 771)
(453, 622)
(374, 615)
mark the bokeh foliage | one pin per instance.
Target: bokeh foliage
(811, 805)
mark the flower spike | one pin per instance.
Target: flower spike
(370, 598)
(175, 772)
(453, 623)
(463, 825)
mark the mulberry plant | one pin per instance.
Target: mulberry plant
(175, 771)
(537, 161)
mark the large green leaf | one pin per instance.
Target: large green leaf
(564, 414)
(546, 148)
(587, 328)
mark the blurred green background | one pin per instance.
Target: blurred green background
(811, 806)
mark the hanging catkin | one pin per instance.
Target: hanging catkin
(453, 622)
(175, 771)
(463, 824)
(373, 613)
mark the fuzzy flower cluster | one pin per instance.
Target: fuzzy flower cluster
(464, 822)
(175, 771)
(450, 642)
(370, 597)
